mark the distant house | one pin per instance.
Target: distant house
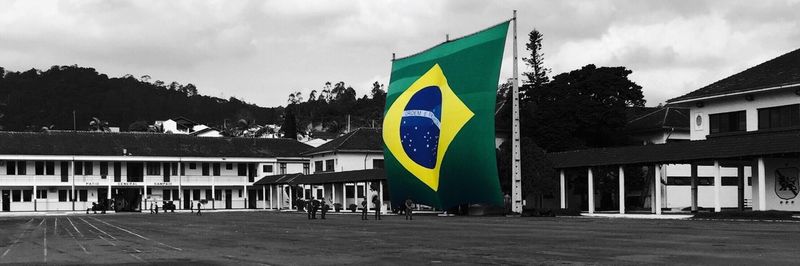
(182, 125)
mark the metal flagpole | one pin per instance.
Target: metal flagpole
(516, 176)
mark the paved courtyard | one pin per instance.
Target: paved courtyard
(284, 238)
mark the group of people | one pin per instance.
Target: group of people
(313, 205)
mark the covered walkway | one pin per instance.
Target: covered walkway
(733, 150)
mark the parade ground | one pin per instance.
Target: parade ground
(290, 239)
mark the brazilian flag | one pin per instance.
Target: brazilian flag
(438, 127)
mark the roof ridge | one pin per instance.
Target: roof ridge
(646, 115)
(346, 139)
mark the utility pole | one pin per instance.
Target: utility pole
(516, 176)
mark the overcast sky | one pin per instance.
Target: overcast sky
(260, 51)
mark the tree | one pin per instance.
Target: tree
(538, 174)
(139, 126)
(582, 108)
(289, 126)
(538, 77)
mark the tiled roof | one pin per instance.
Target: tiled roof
(666, 117)
(144, 144)
(747, 145)
(362, 139)
(782, 70)
(325, 177)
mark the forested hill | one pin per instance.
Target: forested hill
(34, 99)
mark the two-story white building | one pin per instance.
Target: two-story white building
(345, 171)
(741, 126)
(129, 171)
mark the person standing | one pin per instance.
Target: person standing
(156, 208)
(376, 201)
(307, 203)
(151, 208)
(409, 205)
(314, 208)
(199, 205)
(364, 209)
(324, 208)
(507, 203)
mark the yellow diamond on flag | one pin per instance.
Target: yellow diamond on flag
(421, 124)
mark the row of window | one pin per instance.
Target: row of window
(25, 195)
(329, 165)
(704, 181)
(786, 116)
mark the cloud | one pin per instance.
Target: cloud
(262, 50)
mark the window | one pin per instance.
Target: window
(730, 181)
(78, 168)
(241, 169)
(208, 195)
(176, 195)
(228, 166)
(16, 195)
(174, 169)
(62, 196)
(240, 193)
(318, 166)
(41, 194)
(196, 194)
(218, 194)
(82, 195)
(149, 191)
(282, 168)
(328, 165)
(88, 168)
(166, 195)
(27, 195)
(260, 195)
(349, 191)
(117, 171)
(39, 167)
(11, 168)
(103, 170)
(377, 163)
(50, 168)
(167, 170)
(727, 122)
(305, 168)
(779, 117)
(687, 181)
(205, 168)
(267, 168)
(153, 168)
(192, 166)
(64, 172)
(22, 167)
(216, 169)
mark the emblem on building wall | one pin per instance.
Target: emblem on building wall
(786, 183)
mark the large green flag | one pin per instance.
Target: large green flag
(438, 127)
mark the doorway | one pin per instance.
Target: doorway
(127, 199)
(228, 199)
(102, 198)
(251, 199)
(6, 200)
(187, 199)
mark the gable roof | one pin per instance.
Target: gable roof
(360, 140)
(780, 71)
(659, 119)
(144, 144)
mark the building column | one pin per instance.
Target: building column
(214, 193)
(717, 187)
(270, 196)
(563, 190)
(34, 192)
(291, 199)
(279, 196)
(621, 178)
(380, 196)
(657, 190)
(333, 193)
(366, 194)
(591, 190)
(264, 195)
(180, 187)
(72, 180)
(245, 194)
(344, 196)
(740, 185)
(694, 187)
(762, 184)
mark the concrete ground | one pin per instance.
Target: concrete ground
(288, 238)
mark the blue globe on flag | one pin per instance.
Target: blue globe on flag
(420, 126)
